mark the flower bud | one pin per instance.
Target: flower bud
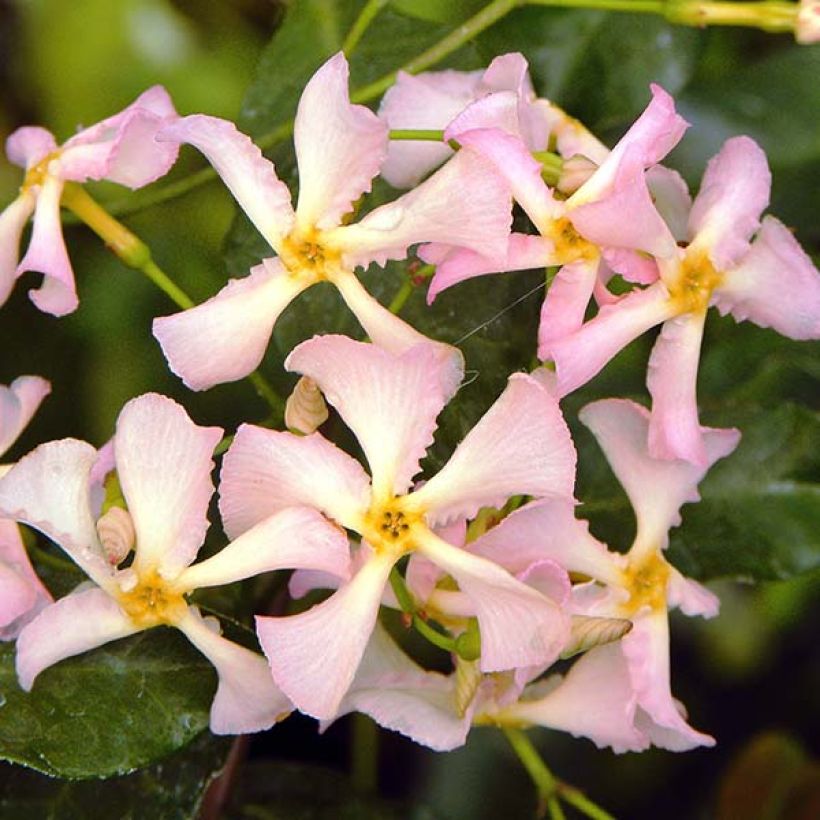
(305, 409)
(117, 535)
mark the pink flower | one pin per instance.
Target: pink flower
(22, 594)
(163, 462)
(340, 148)
(611, 223)
(390, 403)
(769, 280)
(121, 149)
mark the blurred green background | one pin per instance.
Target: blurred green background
(754, 670)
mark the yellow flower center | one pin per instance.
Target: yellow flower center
(36, 175)
(568, 243)
(306, 255)
(697, 279)
(390, 527)
(646, 582)
(153, 602)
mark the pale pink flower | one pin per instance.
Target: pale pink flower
(340, 148)
(807, 27)
(120, 149)
(611, 223)
(769, 280)
(22, 594)
(163, 462)
(391, 402)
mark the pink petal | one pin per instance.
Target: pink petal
(566, 302)
(465, 203)
(581, 355)
(657, 488)
(390, 402)
(733, 194)
(646, 649)
(265, 470)
(47, 254)
(48, 489)
(250, 177)
(339, 147)
(674, 428)
(30, 145)
(293, 537)
(775, 285)
(571, 137)
(499, 110)
(224, 339)
(314, 655)
(403, 697)
(671, 196)
(395, 335)
(594, 700)
(520, 446)
(18, 403)
(428, 101)
(79, 622)
(519, 626)
(164, 464)
(547, 529)
(12, 221)
(691, 597)
(247, 699)
(633, 266)
(459, 264)
(509, 72)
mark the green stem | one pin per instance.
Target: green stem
(426, 134)
(581, 802)
(401, 297)
(364, 768)
(543, 779)
(167, 285)
(366, 16)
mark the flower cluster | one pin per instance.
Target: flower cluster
(486, 558)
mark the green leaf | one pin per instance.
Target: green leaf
(171, 789)
(107, 711)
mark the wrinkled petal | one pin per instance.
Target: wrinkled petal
(499, 110)
(583, 354)
(519, 626)
(29, 145)
(164, 464)
(247, 699)
(397, 336)
(18, 403)
(690, 597)
(314, 655)
(12, 221)
(390, 402)
(295, 537)
(47, 254)
(775, 285)
(520, 446)
(595, 700)
(224, 338)
(79, 622)
(48, 489)
(657, 488)
(733, 194)
(339, 147)
(266, 470)
(674, 428)
(524, 252)
(250, 177)
(465, 203)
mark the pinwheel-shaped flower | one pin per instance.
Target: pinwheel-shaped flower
(163, 462)
(22, 595)
(391, 402)
(340, 148)
(121, 149)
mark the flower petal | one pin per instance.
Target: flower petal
(224, 339)
(314, 655)
(47, 254)
(266, 470)
(733, 194)
(81, 621)
(339, 147)
(29, 145)
(519, 626)
(48, 489)
(250, 177)
(295, 537)
(247, 699)
(690, 597)
(12, 221)
(18, 403)
(671, 196)
(657, 488)
(775, 285)
(520, 446)
(390, 402)
(164, 464)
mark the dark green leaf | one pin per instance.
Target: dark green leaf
(108, 711)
